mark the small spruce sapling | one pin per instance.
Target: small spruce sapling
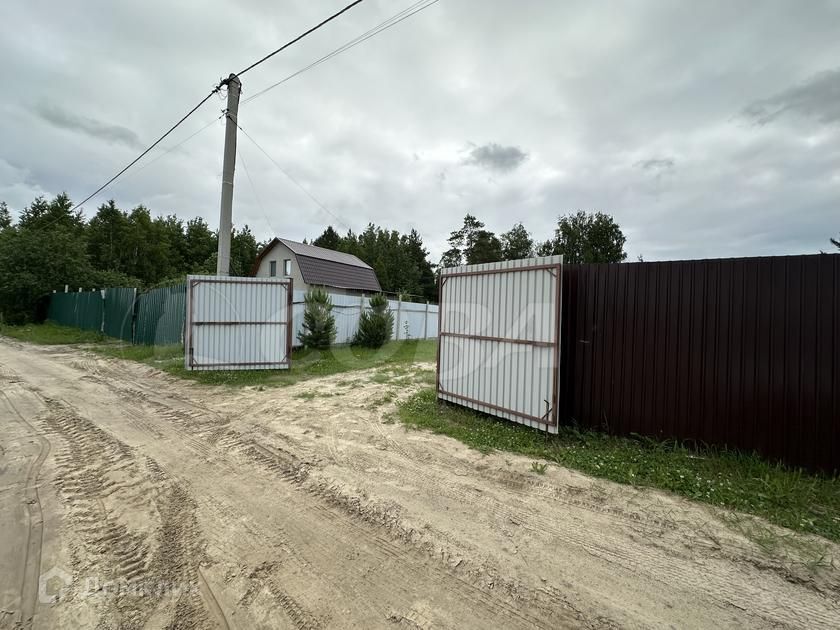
(318, 321)
(375, 325)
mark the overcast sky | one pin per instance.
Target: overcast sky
(706, 128)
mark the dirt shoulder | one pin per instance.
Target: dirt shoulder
(305, 506)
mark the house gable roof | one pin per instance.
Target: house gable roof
(321, 266)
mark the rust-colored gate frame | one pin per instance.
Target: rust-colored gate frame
(556, 270)
(288, 323)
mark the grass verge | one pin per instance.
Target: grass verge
(394, 356)
(747, 483)
(51, 334)
(315, 363)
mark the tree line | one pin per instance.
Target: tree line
(580, 237)
(401, 261)
(402, 265)
(51, 246)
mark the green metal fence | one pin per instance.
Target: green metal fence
(62, 309)
(80, 310)
(153, 318)
(119, 313)
(160, 316)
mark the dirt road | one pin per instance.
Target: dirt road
(131, 499)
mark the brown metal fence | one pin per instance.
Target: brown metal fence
(741, 352)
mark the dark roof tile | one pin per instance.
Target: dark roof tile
(326, 267)
(333, 274)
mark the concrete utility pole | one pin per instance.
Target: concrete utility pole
(234, 86)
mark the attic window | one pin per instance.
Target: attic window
(272, 268)
(287, 267)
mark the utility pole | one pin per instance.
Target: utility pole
(234, 86)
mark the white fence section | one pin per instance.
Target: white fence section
(238, 323)
(499, 348)
(411, 320)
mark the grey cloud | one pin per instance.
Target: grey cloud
(818, 98)
(430, 84)
(656, 164)
(89, 126)
(496, 157)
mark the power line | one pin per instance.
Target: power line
(254, 189)
(215, 90)
(152, 146)
(175, 146)
(392, 21)
(299, 37)
(293, 180)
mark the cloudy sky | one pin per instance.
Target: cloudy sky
(706, 128)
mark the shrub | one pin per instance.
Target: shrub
(318, 321)
(375, 325)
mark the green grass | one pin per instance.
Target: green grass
(312, 395)
(49, 333)
(395, 356)
(784, 496)
(159, 356)
(308, 364)
(539, 467)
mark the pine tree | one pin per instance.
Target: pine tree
(318, 321)
(329, 239)
(5, 216)
(485, 248)
(517, 243)
(586, 238)
(375, 325)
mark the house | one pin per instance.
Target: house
(310, 266)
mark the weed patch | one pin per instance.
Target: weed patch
(539, 467)
(311, 395)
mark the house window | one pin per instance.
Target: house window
(272, 268)
(287, 267)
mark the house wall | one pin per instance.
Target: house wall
(279, 253)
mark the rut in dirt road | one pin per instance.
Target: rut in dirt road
(101, 482)
(162, 490)
(280, 510)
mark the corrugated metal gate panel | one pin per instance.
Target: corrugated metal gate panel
(499, 339)
(238, 323)
(119, 313)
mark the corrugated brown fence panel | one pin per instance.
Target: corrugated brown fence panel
(762, 365)
(738, 352)
(612, 367)
(810, 352)
(827, 372)
(836, 338)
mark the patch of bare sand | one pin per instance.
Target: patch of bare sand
(305, 506)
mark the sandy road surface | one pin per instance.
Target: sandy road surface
(157, 503)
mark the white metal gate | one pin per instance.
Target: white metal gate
(499, 339)
(238, 323)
